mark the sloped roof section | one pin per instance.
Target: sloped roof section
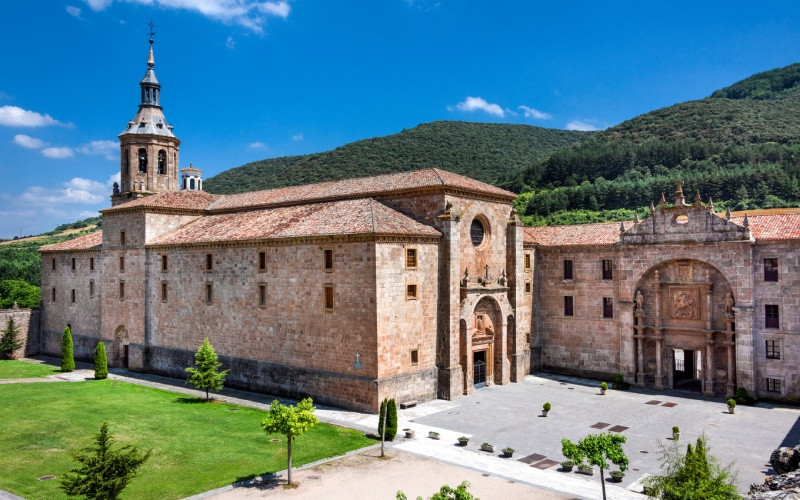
(175, 200)
(347, 217)
(781, 226)
(604, 233)
(359, 188)
(91, 241)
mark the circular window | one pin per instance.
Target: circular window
(477, 232)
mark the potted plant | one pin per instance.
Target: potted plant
(731, 405)
(603, 388)
(567, 465)
(616, 476)
(463, 440)
(409, 433)
(676, 432)
(433, 434)
(487, 447)
(546, 409)
(585, 469)
(508, 452)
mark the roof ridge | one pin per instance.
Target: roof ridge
(371, 212)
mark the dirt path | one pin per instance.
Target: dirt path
(366, 476)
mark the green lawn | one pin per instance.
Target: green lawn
(197, 446)
(10, 368)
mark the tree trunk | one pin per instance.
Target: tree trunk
(289, 470)
(603, 483)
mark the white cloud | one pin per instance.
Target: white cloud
(28, 142)
(298, 137)
(58, 152)
(13, 116)
(108, 149)
(581, 125)
(230, 42)
(75, 191)
(472, 104)
(535, 113)
(257, 145)
(247, 13)
(73, 11)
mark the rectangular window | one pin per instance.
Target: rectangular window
(527, 287)
(73, 263)
(770, 269)
(608, 271)
(328, 259)
(91, 288)
(773, 385)
(209, 293)
(608, 307)
(163, 291)
(53, 264)
(121, 290)
(121, 263)
(568, 305)
(122, 237)
(771, 319)
(262, 261)
(164, 263)
(91, 263)
(411, 291)
(329, 297)
(411, 258)
(262, 295)
(567, 269)
(527, 262)
(414, 357)
(773, 349)
(72, 294)
(209, 262)
(53, 294)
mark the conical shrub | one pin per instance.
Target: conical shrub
(67, 356)
(100, 362)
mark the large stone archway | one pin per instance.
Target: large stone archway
(119, 348)
(484, 341)
(685, 306)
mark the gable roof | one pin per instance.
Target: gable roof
(91, 241)
(781, 226)
(171, 200)
(346, 217)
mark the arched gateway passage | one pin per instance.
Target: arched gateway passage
(119, 349)
(484, 350)
(684, 328)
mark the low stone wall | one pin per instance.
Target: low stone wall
(83, 346)
(27, 320)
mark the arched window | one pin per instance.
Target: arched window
(142, 161)
(162, 162)
(191, 184)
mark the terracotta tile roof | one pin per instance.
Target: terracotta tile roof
(361, 216)
(603, 233)
(177, 200)
(358, 188)
(86, 242)
(781, 226)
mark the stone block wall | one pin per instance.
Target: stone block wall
(27, 321)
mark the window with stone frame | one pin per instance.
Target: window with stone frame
(162, 162)
(72, 295)
(53, 264)
(122, 237)
(121, 263)
(414, 357)
(91, 263)
(209, 293)
(411, 291)
(527, 262)
(568, 269)
(164, 263)
(771, 316)
(53, 294)
(528, 287)
(773, 349)
(142, 160)
(262, 261)
(568, 305)
(164, 290)
(411, 258)
(262, 295)
(121, 290)
(328, 256)
(608, 307)
(209, 262)
(770, 269)
(608, 270)
(329, 303)
(91, 288)
(773, 384)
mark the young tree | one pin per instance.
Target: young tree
(597, 449)
(100, 362)
(693, 476)
(206, 374)
(446, 493)
(290, 421)
(67, 356)
(10, 341)
(104, 472)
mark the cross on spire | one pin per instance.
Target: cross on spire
(150, 23)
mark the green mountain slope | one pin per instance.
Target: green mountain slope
(744, 149)
(489, 152)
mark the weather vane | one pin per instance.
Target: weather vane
(151, 27)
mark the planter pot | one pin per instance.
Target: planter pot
(463, 442)
(603, 392)
(545, 412)
(410, 433)
(567, 468)
(487, 447)
(731, 409)
(617, 479)
(433, 435)
(508, 454)
(676, 436)
(586, 470)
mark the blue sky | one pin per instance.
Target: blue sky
(244, 80)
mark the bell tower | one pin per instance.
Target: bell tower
(148, 148)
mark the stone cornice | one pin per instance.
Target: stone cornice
(303, 240)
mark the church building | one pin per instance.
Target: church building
(416, 285)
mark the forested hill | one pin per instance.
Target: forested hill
(741, 144)
(488, 152)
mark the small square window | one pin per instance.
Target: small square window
(164, 290)
(568, 305)
(53, 294)
(91, 263)
(567, 269)
(770, 269)
(414, 357)
(773, 349)
(608, 307)
(262, 261)
(164, 263)
(608, 270)
(771, 316)
(527, 287)
(121, 290)
(329, 297)
(411, 258)
(328, 259)
(121, 263)
(53, 264)
(72, 295)
(262, 295)
(209, 262)
(73, 263)
(91, 288)
(209, 293)
(527, 262)
(773, 385)
(411, 291)
(122, 237)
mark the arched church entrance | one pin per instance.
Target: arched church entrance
(486, 333)
(684, 328)
(119, 347)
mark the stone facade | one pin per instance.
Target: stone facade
(27, 321)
